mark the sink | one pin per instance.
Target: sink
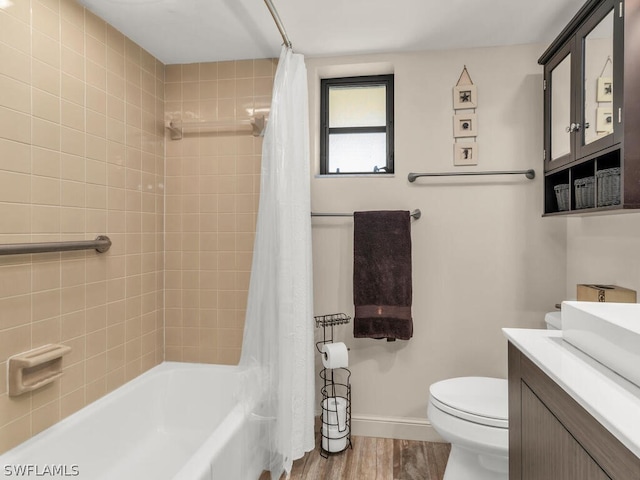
(607, 332)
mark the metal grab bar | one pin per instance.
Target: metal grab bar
(416, 214)
(257, 124)
(530, 174)
(101, 244)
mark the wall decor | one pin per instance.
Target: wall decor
(465, 125)
(604, 119)
(604, 93)
(465, 94)
(465, 121)
(465, 153)
(604, 88)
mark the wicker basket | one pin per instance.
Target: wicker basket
(584, 192)
(608, 186)
(562, 196)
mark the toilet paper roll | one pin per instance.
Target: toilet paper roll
(335, 355)
(334, 412)
(333, 440)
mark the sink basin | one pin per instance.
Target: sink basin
(607, 332)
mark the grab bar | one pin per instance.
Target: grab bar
(530, 174)
(101, 244)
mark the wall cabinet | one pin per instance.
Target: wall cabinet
(592, 110)
(552, 437)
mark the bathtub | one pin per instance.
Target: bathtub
(177, 421)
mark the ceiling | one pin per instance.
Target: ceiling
(188, 31)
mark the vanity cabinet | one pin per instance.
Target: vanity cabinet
(592, 111)
(552, 437)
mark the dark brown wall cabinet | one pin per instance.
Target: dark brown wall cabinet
(592, 111)
(551, 437)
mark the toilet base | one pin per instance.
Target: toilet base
(464, 464)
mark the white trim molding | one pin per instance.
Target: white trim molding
(400, 428)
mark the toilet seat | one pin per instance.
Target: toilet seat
(480, 400)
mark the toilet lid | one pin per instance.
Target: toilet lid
(480, 400)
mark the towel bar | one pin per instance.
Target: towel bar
(416, 214)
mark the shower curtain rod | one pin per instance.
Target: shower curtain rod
(276, 18)
(416, 214)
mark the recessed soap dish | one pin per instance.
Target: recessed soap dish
(36, 368)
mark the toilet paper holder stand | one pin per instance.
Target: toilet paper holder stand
(335, 432)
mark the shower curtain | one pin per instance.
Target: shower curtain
(278, 343)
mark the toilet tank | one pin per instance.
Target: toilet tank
(553, 321)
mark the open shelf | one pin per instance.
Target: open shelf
(589, 186)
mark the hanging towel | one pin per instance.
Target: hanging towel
(382, 289)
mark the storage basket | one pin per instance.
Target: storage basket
(608, 186)
(562, 196)
(585, 192)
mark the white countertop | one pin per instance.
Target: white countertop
(609, 398)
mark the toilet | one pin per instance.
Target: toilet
(553, 320)
(472, 413)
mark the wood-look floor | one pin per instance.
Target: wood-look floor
(374, 459)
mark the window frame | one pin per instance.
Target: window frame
(388, 129)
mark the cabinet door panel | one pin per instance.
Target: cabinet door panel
(560, 84)
(596, 107)
(558, 109)
(549, 452)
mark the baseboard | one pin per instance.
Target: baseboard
(401, 428)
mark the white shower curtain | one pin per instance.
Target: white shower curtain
(278, 335)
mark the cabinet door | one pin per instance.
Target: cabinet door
(598, 102)
(549, 452)
(559, 108)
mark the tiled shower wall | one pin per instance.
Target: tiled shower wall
(81, 154)
(212, 185)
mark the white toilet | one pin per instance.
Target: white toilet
(553, 320)
(472, 413)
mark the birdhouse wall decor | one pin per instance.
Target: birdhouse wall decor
(465, 93)
(465, 120)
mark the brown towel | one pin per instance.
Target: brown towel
(382, 290)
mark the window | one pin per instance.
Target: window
(356, 125)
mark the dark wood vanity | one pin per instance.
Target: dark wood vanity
(592, 111)
(552, 437)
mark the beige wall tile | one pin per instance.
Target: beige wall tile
(71, 403)
(15, 218)
(15, 311)
(100, 100)
(14, 156)
(95, 26)
(72, 63)
(15, 64)
(14, 94)
(66, 158)
(14, 187)
(15, 433)
(13, 408)
(45, 49)
(211, 210)
(15, 125)
(15, 33)
(73, 89)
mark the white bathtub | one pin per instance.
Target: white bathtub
(177, 421)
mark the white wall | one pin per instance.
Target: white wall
(483, 257)
(603, 249)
